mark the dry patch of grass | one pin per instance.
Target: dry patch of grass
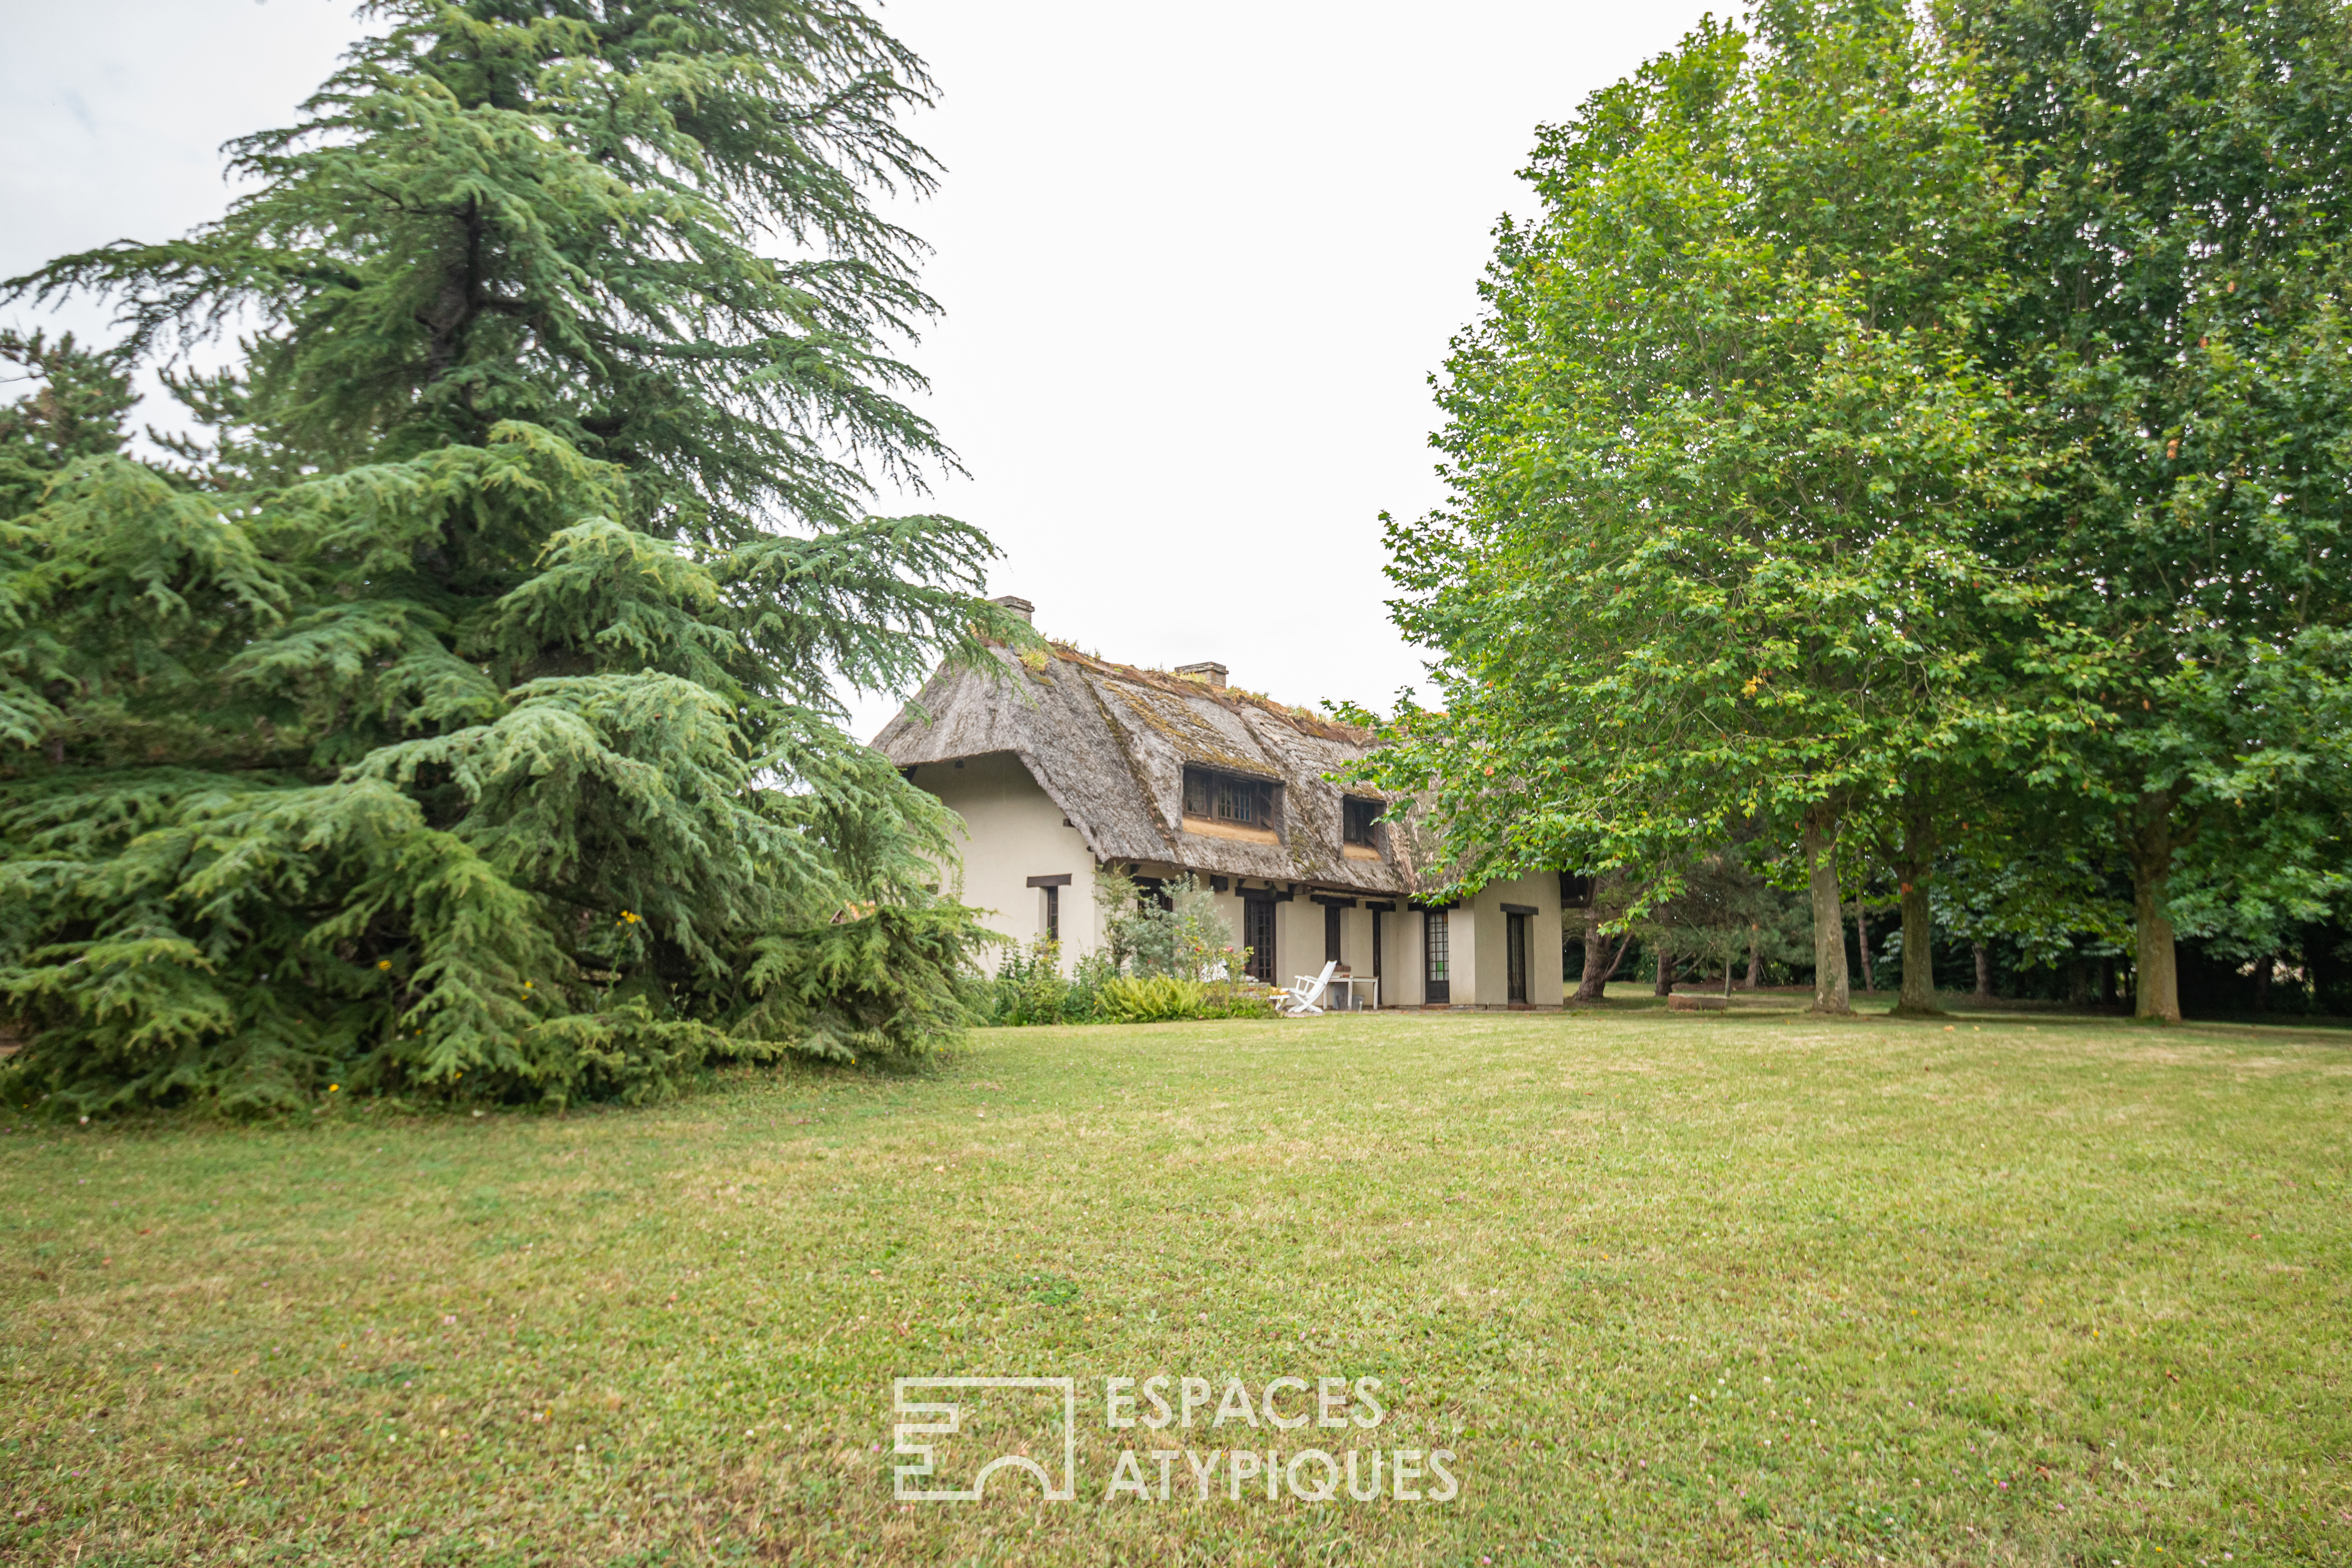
(1738, 1286)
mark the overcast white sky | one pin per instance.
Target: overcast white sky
(1197, 265)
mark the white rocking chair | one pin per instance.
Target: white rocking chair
(1306, 1001)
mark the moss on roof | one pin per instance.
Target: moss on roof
(1232, 696)
(1108, 743)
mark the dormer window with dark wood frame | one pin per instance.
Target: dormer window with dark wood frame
(1232, 805)
(1359, 827)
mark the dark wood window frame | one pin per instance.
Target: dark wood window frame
(1437, 957)
(1257, 935)
(1235, 799)
(1515, 949)
(1360, 820)
(1052, 887)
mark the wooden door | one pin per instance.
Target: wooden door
(1515, 940)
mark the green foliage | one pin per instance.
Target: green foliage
(1719, 912)
(75, 411)
(1904, 431)
(1029, 986)
(1174, 930)
(1719, 451)
(1152, 998)
(2180, 335)
(1167, 954)
(892, 984)
(458, 719)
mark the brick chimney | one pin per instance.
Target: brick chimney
(1017, 605)
(1213, 672)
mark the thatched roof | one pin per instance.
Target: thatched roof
(1109, 745)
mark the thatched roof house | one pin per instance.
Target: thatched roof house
(1063, 764)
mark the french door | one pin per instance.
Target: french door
(1257, 935)
(1437, 973)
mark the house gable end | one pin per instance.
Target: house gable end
(1110, 746)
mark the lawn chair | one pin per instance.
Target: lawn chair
(1306, 1001)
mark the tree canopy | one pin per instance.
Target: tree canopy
(2179, 329)
(1897, 429)
(459, 716)
(1723, 456)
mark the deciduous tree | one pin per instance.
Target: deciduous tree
(1720, 456)
(2180, 333)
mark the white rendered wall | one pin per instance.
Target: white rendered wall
(1490, 969)
(1396, 969)
(1229, 908)
(1407, 963)
(1298, 939)
(1356, 952)
(1013, 831)
(1464, 969)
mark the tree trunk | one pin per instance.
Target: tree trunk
(1755, 958)
(1665, 987)
(1984, 971)
(1831, 992)
(1597, 974)
(1862, 944)
(2263, 967)
(1596, 949)
(2078, 983)
(2107, 983)
(1913, 870)
(2156, 981)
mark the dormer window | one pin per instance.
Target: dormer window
(1232, 805)
(1360, 821)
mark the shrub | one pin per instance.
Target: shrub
(1030, 988)
(1151, 998)
(1176, 931)
(1236, 1002)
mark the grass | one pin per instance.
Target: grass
(1673, 1288)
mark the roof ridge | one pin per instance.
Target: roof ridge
(1232, 696)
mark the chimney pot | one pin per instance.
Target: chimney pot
(1017, 605)
(1211, 672)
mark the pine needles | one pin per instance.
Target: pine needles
(458, 718)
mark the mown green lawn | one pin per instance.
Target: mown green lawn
(1671, 1289)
